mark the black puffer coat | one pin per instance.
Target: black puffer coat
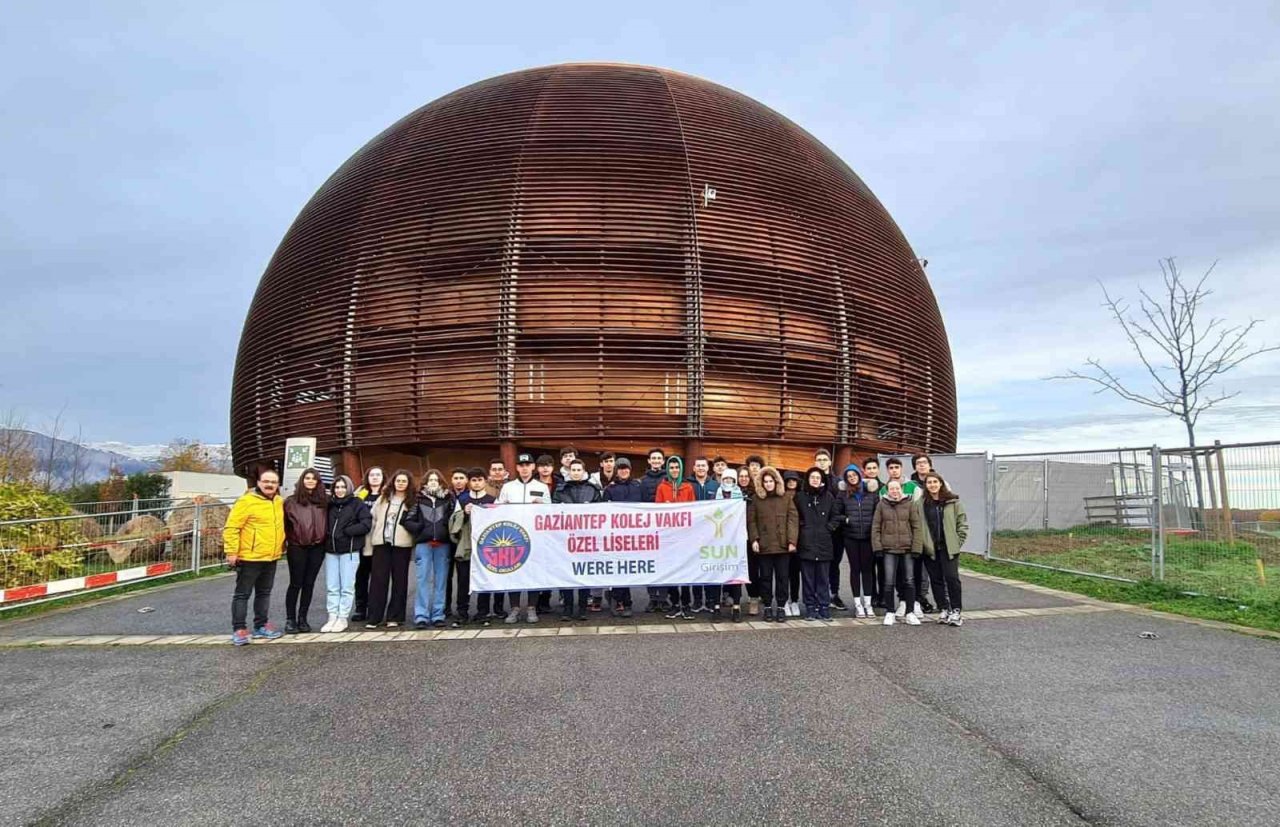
(347, 523)
(859, 511)
(428, 522)
(820, 515)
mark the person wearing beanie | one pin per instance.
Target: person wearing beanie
(623, 489)
(348, 522)
(729, 490)
(859, 509)
(674, 488)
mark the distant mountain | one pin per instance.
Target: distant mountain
(94, 463)
(142, 453)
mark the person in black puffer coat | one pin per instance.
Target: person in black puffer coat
(859, 510)
(348, 521)
(428, 522)
(577, 490)
(820, 515)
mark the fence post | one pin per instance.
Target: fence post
(1157, 515)
(195, 540)
(991, 501)
(1045, 473)
(1228, 524)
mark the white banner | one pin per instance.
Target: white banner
(530, 547)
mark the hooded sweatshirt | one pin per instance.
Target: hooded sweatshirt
(347, 522)
(677, 490)
(729, 489)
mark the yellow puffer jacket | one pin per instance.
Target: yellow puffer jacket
(255, 528)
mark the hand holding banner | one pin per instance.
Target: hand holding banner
(524, 547)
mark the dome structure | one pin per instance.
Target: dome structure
(607, 255)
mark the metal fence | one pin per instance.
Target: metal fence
(1203, 519)
(46, 558)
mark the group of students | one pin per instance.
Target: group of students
(898, 535)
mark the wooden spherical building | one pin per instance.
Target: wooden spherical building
(606, 255)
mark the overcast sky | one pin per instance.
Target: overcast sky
(155, 154)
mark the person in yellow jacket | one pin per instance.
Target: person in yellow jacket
(253, 540)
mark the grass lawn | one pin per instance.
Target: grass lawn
(1262, 612)
(1207, 565)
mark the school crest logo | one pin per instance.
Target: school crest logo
(503, 547)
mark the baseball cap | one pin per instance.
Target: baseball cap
(524, 459)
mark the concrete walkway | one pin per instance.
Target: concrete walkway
(1043, 709)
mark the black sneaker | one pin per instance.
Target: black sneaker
(359, 616)
(439, 624)
(780, 615)
(486, 620)
(927, 607)
(421, 624)
(737, 614)
(566, 616)
(768, 614)
(290, 628)
(626, 612)
(582, 614)
(678, 613)
(838, 604)
(304, 626)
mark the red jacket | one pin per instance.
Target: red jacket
(666, 494)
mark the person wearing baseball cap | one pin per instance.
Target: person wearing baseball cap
(524, 489)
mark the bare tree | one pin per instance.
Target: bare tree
(77, 459)
(1184, 355)
(49, 457)
(17, 456)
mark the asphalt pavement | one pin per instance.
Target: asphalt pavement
(1027, 720)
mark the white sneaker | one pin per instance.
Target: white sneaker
(328, 626)
(912, 620)
(902, 608)
(796, 609)
(944, 617)
(513, 616)
(533, 615)
(341, 625)
(888, 618)
(866, 604)
(917, 611)
(858, 609)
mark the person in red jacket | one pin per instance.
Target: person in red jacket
(674, 488)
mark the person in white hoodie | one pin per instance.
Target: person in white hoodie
(729, 490)
(525, 489)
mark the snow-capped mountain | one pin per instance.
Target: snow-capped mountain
(142, 453)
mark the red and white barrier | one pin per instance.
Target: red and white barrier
(91, 581)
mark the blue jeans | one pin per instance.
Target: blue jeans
(340, 583)
(431, 562)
